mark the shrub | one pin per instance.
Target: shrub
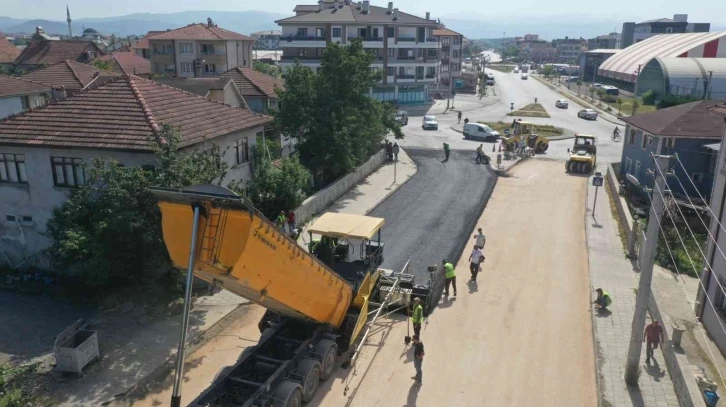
(648, 97)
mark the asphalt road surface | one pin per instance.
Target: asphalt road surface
(521, 336)
(429, 217)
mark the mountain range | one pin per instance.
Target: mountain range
(246, 22)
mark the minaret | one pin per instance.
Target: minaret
(68, 18)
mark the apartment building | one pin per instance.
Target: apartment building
(267, 40)
(199, 51)
(569, 49)
(636, 32)
(608, 41)
(407, 52)
(452, 47)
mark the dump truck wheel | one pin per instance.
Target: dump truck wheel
(309, 372)
(327, 353)
(587, 168)
(580, 167)
(288, 394)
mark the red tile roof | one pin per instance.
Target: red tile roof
(144, 42)
(201, 32)
(51, 52)
(8, 51)
(13, 85)
(128, 63)
(69, 74)
(445, 32)
(123, 114)
(253, 83)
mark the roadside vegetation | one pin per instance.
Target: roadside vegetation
(546, 130)
(530, 110)
(680, 250)
(17, 388)
(501, 68)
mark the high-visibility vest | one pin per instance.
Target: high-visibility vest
(417, 316)
(607, 298)
(449, 270)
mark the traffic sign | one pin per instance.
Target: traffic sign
(597, 180)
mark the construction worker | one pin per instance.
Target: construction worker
(450, 275)
(417, 316)
(418, 355)
(447, 151)
(281, 220)
(603, 299)
(479, 153)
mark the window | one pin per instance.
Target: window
(375, 33)
(431, 71)
(302, 52)
(210, 68)
(12, 168)
(431, 53)
(631, 136)
(446, 41)
(186, 67)
(337, 32)
(444, 68)
(241, 151)
(319, 52)
(644, 141)
(91, 54)
(185, 49)
(391, 32)
(362, 32)
(302, 32)
(457, 40)
(26, 220)
(25, 102)
(207, 49)
(320, 32)
(697, 177)
(669, 30)
(420, 53)
(455, 53)
(67, 171)
(628, 165)
(390, 71)
(391, 52)
(637, 169)
(11, 219)
(401, 71)
(670, 142)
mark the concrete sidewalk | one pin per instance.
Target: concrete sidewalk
(612, 271)
(203, 365)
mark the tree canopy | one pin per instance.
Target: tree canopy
(331, 114)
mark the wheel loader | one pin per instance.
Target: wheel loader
(524, 131)
(583, 155)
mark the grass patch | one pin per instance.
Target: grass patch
(546, 130)
(531, 110)
(502, 68)
(18, 387)
(627, 107)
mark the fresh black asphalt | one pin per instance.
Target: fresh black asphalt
(430, 218)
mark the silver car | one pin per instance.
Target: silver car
(587, 114)
(430, 122)
(562, 103)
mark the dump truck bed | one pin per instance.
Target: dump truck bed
(241, 251)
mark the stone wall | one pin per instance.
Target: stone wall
(317, 203)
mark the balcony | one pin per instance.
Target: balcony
(406, 77)
(291, 38)
(303, 41)
(376, 39)
(406, 58)
(431, 40)
(401, 39)
(430, 76)
(302, 58)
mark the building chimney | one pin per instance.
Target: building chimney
(320, 5)
(366, 6)
(395, 14)
(209, 22)
(390, 7)
(428, 15)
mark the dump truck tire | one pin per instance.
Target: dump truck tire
(327, 353)
(288, 394)
(587, 168)
(309, 372)
(580, 167)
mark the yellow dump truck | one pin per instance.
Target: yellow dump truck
(315, 309)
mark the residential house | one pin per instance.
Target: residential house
(465, 82)
(199, 50)
(128, 63)
(569, 49)
(267, 57)
(452, 49)
(39, 54)
(267, 40)
(8, 52)
(541, 53)
(122, 45)
(257, 88)
(711, 300)
(42, 151)
(688, 130)
(141, 47)
(18, 95)
(609, 41)
(222, 90)
(635, 32)
(71, 76)
(406, 51)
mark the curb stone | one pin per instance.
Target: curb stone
(598, 378)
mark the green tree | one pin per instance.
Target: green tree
(648, 97)
(636, 105)
(104, 64)
(592, 91)
(108, 232)
(267, 69)
(338, 126)
(547, 71)
(600, 94)
(674, 100)
(579, 84)
(619, 101)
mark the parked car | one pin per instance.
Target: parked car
(587, 114)
(480, 131)
(402, 117)
(562, 103)
(525, 76)
(430, 122)
(490, 82)
(516, 69)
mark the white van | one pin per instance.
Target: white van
(478, 131)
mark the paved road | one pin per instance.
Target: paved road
(520, 337)
(510, 88)
(429, 217)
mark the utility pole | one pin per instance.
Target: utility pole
(646, 271)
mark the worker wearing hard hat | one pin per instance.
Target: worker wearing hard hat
(417, 316)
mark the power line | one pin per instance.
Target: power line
(700, 196)
(685, 295)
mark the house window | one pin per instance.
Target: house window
(644, 141)
(25, 102)
(446, 41)
(697, 177)
(457, 40)
(391, 52)
(375, 33)
(455, 53)
(390, 71)
(320, 32)
(431, 71)
(12, 219)
(12, 168)
(185, 48)
(186, 67)
(26, 220)
(362, 32)
(391, 32)
(302, 52)
(670, 142)
(637, 169)
(241, 151)
(631, 136)
(401, 71)
(210, 68)
(444, 68)
(337, 32)
(207, 48)
(628, 165)
(431, 53)
(67, 171)
(669, 30)
(302, 32)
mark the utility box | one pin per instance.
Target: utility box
(75, 348)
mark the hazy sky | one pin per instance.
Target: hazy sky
(618, 10)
